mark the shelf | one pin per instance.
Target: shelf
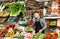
(2, 17)
(43, 0)
(3, 0)
(8, 38)
(7, 22)
(51, 17)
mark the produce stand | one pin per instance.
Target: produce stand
(16, 19)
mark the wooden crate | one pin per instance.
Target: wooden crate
(30, 12)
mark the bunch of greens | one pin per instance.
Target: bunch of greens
(20, 37)
(15, 8)
(53, 23)
(39, 36)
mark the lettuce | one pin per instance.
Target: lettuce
(15, 8)
(39, 36)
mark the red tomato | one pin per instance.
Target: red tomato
(48, 36)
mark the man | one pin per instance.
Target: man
(39, 23)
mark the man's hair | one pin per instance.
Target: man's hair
(35, 12)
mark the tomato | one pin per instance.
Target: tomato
(48, 36)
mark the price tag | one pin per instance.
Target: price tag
(58, 22)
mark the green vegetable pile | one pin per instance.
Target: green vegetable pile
(15, 8)
(20, 37)
(59, 35)
(28, 29)
(53, 23)
(39, 36)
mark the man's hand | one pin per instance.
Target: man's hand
(40, 31)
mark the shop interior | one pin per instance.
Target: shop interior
(17, 19)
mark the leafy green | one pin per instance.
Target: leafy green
(15, 8)
(39, 36)
(20, 37)
(53, 23)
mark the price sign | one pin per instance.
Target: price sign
(58, 22)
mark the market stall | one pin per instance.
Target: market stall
(16, 19)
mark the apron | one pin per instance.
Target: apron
(38, 26)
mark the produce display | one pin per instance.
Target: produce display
(28, 29)
(30, 22)
(8, 31)
(51, 36)
(2, 19)
(20, 27)
(4, 14)
(20, 37)
(2, 26)
(28, 35)
(22, 23)
(39, 36)
(15, 8)
(9, 13)
(5, 30)
(53, 23)
(48, 22)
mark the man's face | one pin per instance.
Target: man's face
(36, 15)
